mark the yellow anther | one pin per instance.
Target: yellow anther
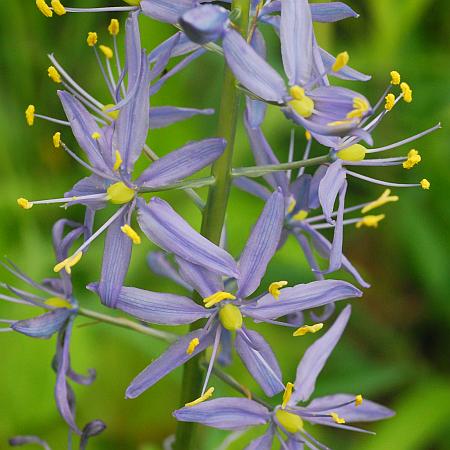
(114, 27)
(275, 287)
(230, 317)
(297, 92)
(407, 92)
(390, 102)
(395, 77)
(340, 122)
(68, 263)
(370, 221)
(217, 298)
(287, 394)
(289, 421)
(107, 51)
(57, 139)
(304, 107)
(118, 162)
(24, 203)
(92, 38)
(58, 8)
(133, 2)
(355, 152)
(208, 394)
(305, 329)
(384, 198)
(413, 159)
(425, 184)
(126, 229)
(58, 302)
(301, 215)
(29, 115)
(119, 193)
(113, 114)
(192, 346)
(360, 107)
(358, 400)
(337, 419)
(54, 74)
(44, 8)
(292, 204)
(341, 61)
(308, 135)
(96, 135)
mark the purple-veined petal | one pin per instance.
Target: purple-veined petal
(296, 35)
(232, 413)
(331, 12)
(225, 356)
(315, 358)
(133, 49)
(292, 443)
(175, 356)
(163, 226)
(260, 361)
(261, 245)
(202, 280)
(88, 186)
(163, 58)
(314, 201)
(163, 116)
(299, 298)
(251, 70)
(264, 442)
(329, 188)
(300, 190)
(166, 10)
(160, 265)
(82, 379)
(159, 308)
(182, 47)
(182, 163)
(346, 73)
(252, 187)
(43, 326)
(18, 441)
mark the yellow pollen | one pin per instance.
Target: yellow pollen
(107, 51)
(126, 229)
(358, 400)
(339, 122)
(208, 394)
(92, 38)
(390, 102)
(384, 198)
(217, 298)
(133, 2)
(341, 61)
(114, 27)
(425, 184)
(96, 135)
(395, 77)
(57, 139)
(304, 107)
(68, 263)
(118, 162)
(230, 317)
(337, 419)
(54, 74)
(292, 204)
(58, 8)
(360, 107)
(192, 346)
(275, 287)
(58, 302)
(355, 152)
(407, 92)
(308, 135)
(44, 8)
(305, 329)
(119, 193)
(29, 115)
(413, 159)
(370, 221)
(297, 92)
(287, 394)
(113, 114)
(289, 421)
(24, 203)
(301, 215)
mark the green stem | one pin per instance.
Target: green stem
(213, 220)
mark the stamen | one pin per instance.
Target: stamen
(341, 61)
(29, 115)
(208, 394)
(92, 38)
(395, 78)
(425, 184)
(114, 27)
(118, 162)
(44, 8)
(361, 106)
(297, 92)
(287, 394)
(54, 74)
(407, 92)
(337, 419)
(107, 51)
(413, 159)
(355, 152)
(68, 263)
(358, 400)
(113, 114)
(58, 302)
(384, 198)
(292, 204)
(390, 102)
(381, 182)
(126, 229)
(301, 215)
(24, 203)
(370, 221)
(301, 103)
(58, 8)
(133, 2)
(96, 135)
(119, 193)
(305, 329)
(217, 298)
(192, 346)
(57, 139)
(308, 135)
(275, 287)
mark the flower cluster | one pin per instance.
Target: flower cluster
(301, 197)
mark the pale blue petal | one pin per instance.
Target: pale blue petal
(163, 116)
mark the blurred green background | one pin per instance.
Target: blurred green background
(396, 348)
